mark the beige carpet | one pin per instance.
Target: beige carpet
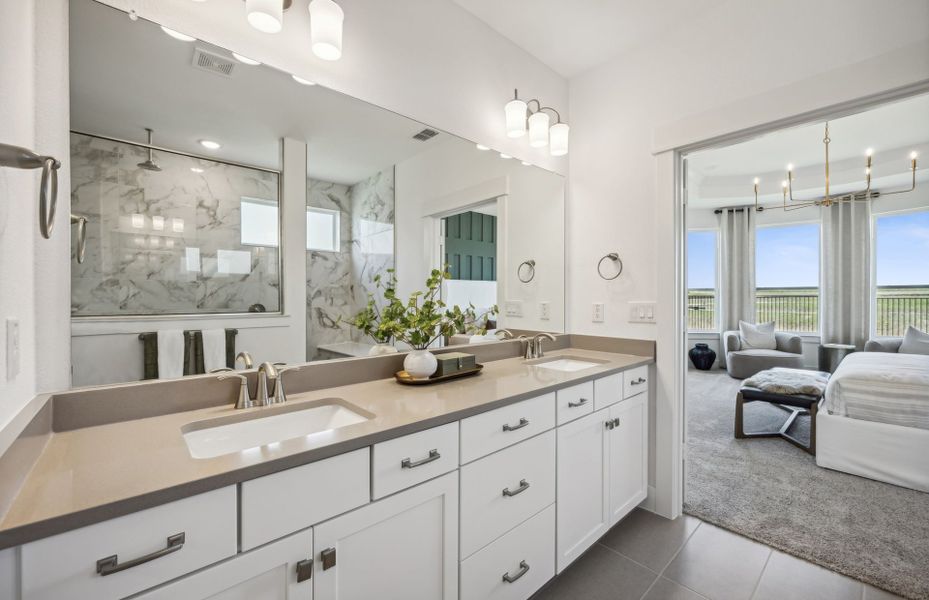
(768, 490)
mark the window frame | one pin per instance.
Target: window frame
(261, 202)
(336, 229)
(714, 328)
(819, 277)
(873, 292)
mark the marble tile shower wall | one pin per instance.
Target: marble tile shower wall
(338, 282)
(166, 242)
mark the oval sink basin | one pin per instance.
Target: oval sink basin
(235, 433)
(567, 364)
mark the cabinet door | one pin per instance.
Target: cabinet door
(268, 573)
(404, 547)
(583, 495)
(628, 456)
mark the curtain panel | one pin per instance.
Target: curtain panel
(846, 273)
(736, 270)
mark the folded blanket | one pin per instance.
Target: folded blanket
(781, 380)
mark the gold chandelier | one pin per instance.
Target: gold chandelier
(864, 195)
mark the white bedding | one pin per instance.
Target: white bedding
(882, 387)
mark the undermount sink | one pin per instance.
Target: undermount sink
(235, 433)
(567, 364)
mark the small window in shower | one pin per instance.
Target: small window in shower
(322, 229)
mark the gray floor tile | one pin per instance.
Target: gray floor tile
(872, 593)
(719, 564)
(600, 574)
(649, 539)
(665, 589)
(789, 578)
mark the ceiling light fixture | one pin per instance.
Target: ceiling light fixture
(245, 60)
(521, 116)
(505, 156)
(326, 19)
(210, 144)
(303, 81)
(178, 35)
(827, 200)
(266, 16)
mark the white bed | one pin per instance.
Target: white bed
(874, 419)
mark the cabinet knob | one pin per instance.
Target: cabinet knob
(304, 570)
(328, 558)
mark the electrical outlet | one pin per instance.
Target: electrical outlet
(598, 312)
(545, 310)
(12, 349)
(642, 312)
(514, 308)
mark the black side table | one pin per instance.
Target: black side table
(830, 355)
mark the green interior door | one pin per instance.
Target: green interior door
(471, 246)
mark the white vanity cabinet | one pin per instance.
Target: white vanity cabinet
(403, 547)
(281, 570)
(627, 463)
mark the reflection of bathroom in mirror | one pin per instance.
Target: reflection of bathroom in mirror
(233, 210)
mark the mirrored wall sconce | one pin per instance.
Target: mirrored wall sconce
(326, 18)
(532, 116)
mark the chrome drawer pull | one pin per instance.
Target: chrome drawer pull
(110, 564)
(581, 402)
(433, 455)
(637, 381)
(522, 423)
(523, 486)
(523, 569)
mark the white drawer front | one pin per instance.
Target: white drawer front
(636, 381)
(529, 549)
(575, 401)
(502, 490)
(411, 459)
(66, 565)
(277, 505)
(608, 390)
(502, 427)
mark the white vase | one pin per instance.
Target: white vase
(379, 349)
(420, 364)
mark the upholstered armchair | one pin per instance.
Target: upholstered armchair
(745, 363)
(891, 344)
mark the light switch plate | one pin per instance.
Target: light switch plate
(13, 349)
(545, 310)
(642, 312)
(598, 310)
(514, 308)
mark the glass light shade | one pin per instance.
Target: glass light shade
(538, 129)
(515, 118)
(326, 29)
(558, 139)
(265, 15)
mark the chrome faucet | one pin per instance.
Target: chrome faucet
(267, 377)
(534, 346)
(246, 359)
(243, 400)
(507, 334)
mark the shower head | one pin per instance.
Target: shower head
(150, 164)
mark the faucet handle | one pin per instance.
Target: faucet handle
(244, 400)
(280, 395)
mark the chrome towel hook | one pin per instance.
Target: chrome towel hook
(530, 266)
(613, 256)
(17, 157)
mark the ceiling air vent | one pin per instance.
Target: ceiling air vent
(426, 134)
(213, 63)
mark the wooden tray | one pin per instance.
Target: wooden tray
(404, 377)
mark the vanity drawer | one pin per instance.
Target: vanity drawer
(67, 565)
(636, 381)
(411, 459)
(276, 505)
(529, 549)
(496, 429)
(608, 390)
(575, 401)
(500, 491)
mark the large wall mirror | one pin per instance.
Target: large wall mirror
(205, 239)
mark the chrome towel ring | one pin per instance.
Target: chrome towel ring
(17, 157)
(613, 256)
(530, 269)
(81, 223)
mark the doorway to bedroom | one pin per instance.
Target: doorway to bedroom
(778, 278)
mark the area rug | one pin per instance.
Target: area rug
(768, 490)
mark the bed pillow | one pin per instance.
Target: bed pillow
(757, 337)
(914, 342)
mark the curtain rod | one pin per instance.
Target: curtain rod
(719, 211)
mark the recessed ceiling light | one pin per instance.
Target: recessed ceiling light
(502, 155)
(178, 35)
(196, 169)
(210, 144)
(303, 81)
(481, 147)
(244, 59)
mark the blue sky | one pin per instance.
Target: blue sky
(789, 256)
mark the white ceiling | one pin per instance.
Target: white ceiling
(572, 36)
(127, 75)
(723, 176)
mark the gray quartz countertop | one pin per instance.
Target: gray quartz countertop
(88, 475)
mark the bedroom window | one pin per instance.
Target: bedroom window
(701, 280)
(787, 276)
(901, 293)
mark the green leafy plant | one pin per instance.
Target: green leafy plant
(381, 322)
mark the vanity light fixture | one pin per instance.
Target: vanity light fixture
(303, 81)
(178, 35)
(245, 60)
(481, 147)
(267, 16)
(521, 115)
(210, 144)
(326, 19)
